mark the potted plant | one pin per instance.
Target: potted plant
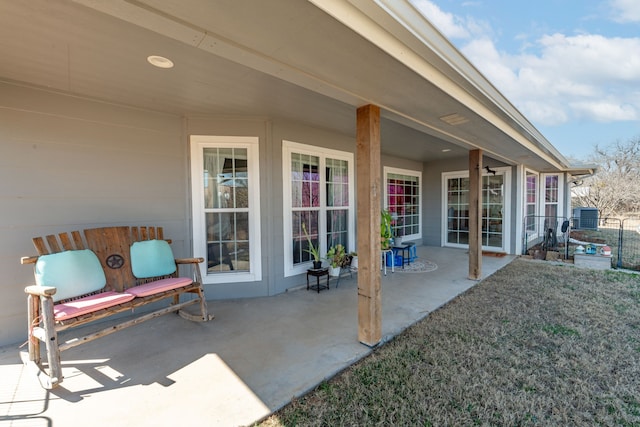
(337, 257)
(386, 233)
(314, 251)
(354, 260)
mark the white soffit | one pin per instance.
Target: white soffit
(139, 13)
(376, 22)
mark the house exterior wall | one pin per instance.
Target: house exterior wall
(69, 163)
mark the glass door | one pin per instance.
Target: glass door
(493, 211)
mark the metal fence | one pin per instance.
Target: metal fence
(545, 234)
(622, 235)
(629, 256)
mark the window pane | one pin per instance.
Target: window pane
(531, 201)
(227, 241)
(300, 242)
(305, 179)
(218, 228)
(337, 228)
(337, 180)
(403, 201)
(225, 178)
(238, 242)
(551, 189)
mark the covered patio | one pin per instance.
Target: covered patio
(256, 356)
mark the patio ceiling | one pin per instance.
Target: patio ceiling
(314, 62)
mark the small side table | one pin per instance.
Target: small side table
(318, 273)
(406, 254)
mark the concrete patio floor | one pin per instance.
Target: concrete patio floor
(252, 359)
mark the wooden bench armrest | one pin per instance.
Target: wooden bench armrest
(189, 260)
(42, 291)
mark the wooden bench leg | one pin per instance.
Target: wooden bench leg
(204, 315)
(51, 343)
(36, 307)
(203, 307)
(33, 319)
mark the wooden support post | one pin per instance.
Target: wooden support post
(475, 214)
(368, 215)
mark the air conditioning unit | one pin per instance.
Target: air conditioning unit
(585, 218)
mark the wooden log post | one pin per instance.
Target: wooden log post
(475, 214)
(368, 215)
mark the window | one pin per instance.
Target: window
(318, 192)
(493, 207)
(531, 202)
(551, 196)
(403, 201)
(226, 207)
(495, 201)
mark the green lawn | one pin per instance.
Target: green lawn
(534, 344)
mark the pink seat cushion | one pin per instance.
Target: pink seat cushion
(158, 286)
(89, 304)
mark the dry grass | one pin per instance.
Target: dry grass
(534, 344)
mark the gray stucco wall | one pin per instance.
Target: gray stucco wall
(67, 163)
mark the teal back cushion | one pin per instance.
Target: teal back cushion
(152, 258)
(74, 273)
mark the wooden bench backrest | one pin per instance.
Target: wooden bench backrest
(110, 244)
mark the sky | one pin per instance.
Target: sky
(572, 67)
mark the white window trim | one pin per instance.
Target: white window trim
(561, 201)
(289, 147)
(506, 222)
(198, 143)
(532, 234)
(386, 171)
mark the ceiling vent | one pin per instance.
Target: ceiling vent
(454, 119)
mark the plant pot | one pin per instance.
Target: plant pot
(354, 262)
(334, 271)
(317, 265)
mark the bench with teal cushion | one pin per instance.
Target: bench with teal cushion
(84, 277)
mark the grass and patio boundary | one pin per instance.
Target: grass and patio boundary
(534, 344)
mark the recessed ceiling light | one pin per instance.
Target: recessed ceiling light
(160, 61)
(446, 150)
(454, 119)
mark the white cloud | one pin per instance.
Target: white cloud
(605, 111)
(626, 10)
(569, 78)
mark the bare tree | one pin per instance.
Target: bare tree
(615, 188)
